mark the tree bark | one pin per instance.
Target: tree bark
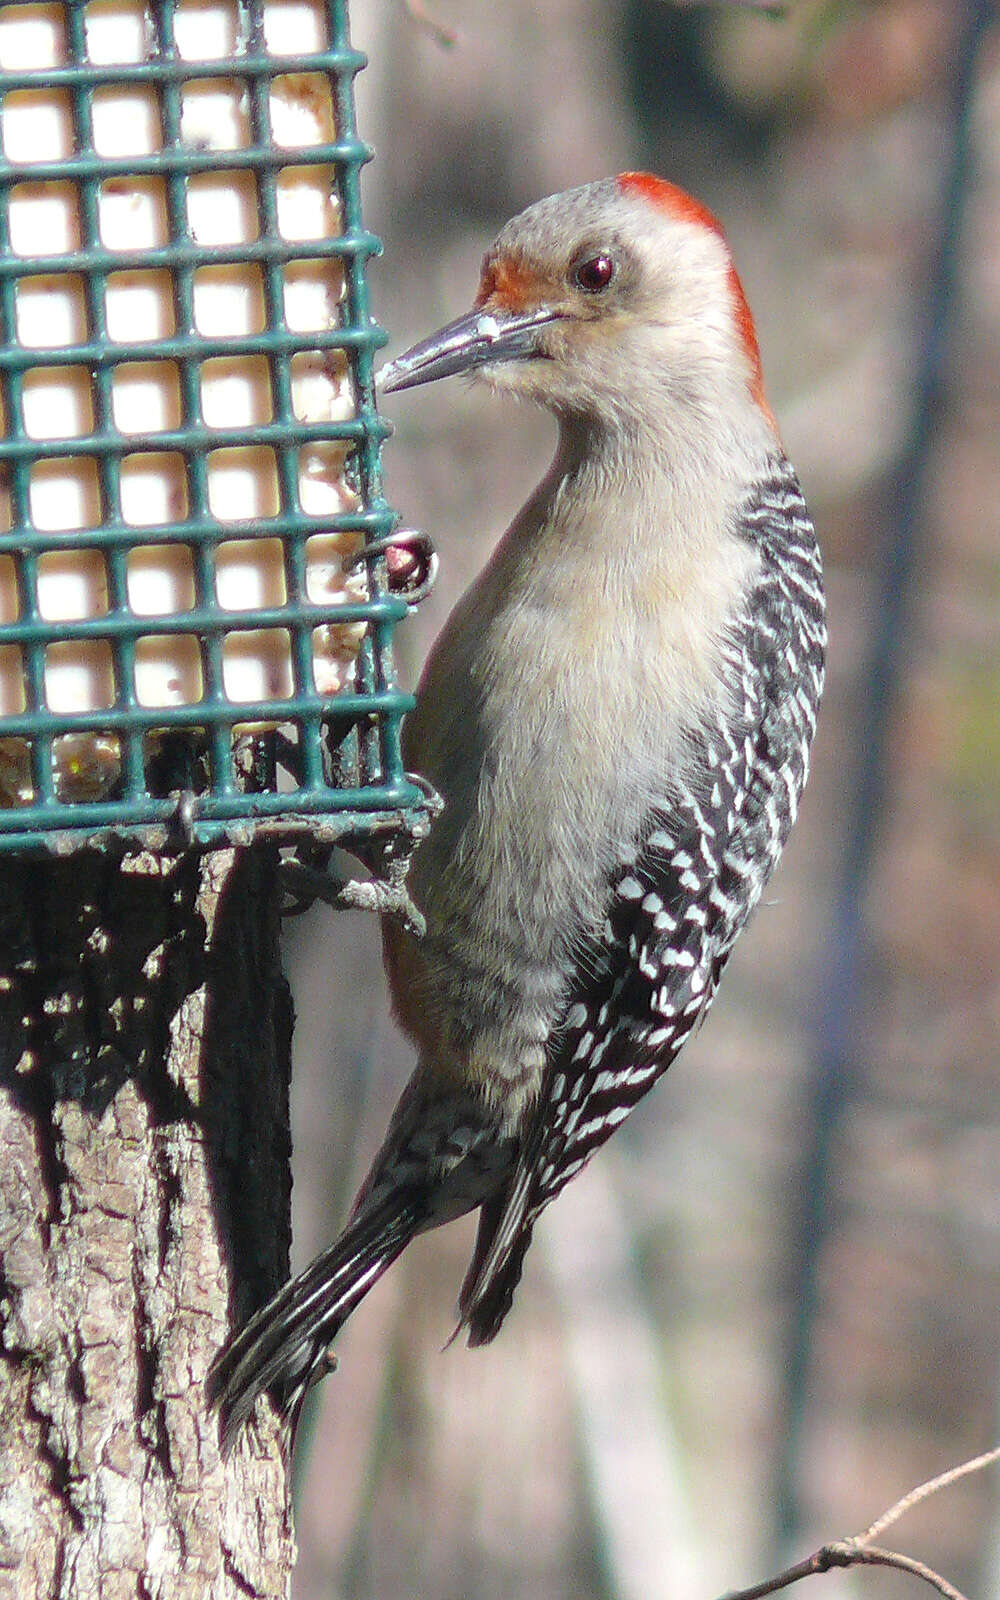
(145, 1031)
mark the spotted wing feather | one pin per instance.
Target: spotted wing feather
(675, 911)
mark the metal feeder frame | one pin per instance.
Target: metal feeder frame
(343, 752)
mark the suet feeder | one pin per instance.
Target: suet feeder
(196, 611)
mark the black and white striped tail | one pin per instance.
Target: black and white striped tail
(283, 1350)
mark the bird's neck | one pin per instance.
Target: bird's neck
(625, 481)
(619, 529)
(710, 438)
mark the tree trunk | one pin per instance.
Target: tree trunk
(145, 1031)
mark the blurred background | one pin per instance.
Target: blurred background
(772, 1304)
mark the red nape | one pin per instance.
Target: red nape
(676, 202)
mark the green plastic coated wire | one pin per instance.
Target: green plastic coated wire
(342, 772)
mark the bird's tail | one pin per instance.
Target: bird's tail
(283, 1348)
(505, 1228)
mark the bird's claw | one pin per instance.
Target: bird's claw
(432, 800)
(411, 560)
(384, 895)
(386, 899)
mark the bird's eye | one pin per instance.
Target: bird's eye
(595, 273)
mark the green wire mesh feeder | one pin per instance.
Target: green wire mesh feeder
(197, 590)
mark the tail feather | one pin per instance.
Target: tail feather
(505, 1227)
(484, 1312)
(283, 1348)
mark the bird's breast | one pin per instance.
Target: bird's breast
(552, 717)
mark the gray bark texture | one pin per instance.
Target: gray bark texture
(145, 1032)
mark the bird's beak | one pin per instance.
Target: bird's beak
(478, 339)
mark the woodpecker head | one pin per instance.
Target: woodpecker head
(603, 302)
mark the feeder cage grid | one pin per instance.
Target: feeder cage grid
(190, 457)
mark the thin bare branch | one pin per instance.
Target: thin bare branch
(781, 1580)
(847, 1553)
(942, 1481)
(859, 1551)
(873, 1556)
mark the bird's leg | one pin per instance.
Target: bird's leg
(384, 893)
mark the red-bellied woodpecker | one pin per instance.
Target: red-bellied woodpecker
(618, 716)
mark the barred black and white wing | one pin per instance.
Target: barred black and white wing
(675, 911)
